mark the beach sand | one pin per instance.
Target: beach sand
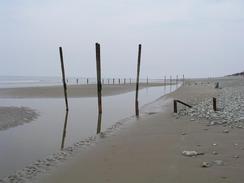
(73, 91)
(150, 149)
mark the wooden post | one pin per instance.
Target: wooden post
(64, 130)
(87, 81)
(214, 104)
(108, 81)
(124, 81)
(113, 81)
(137, 81)
(175, 106)
(164, 80)
(147, 80)
(99, 123)
(119, 81)
(63, 75)
(99, 85)
(177, 79)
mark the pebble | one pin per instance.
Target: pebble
(205, 164)
(226, 131)
(218, 162)
(191, 153)
(236, 156)
(215, 153)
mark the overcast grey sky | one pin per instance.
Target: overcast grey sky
(198, 38)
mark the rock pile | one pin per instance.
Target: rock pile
(230, 105)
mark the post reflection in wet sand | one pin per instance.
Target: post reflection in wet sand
(64, 129)
(99, 123)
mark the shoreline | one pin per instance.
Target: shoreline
(74, 91)
(12, 116)
(70, 143)
(44, 165)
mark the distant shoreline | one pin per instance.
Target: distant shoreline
(74, 91)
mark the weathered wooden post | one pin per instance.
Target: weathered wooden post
(177, 79)
(99, 85)
(113, 81)
(99, 123)
(124, 81)
(87, 81)
(183, 79)
(63, 75)
(108, 81)
(119, 81)
(147, 80)
(214, 104)
(175, 106)
(164, 80)
(137, 80)
(64, 129)
(178, 101)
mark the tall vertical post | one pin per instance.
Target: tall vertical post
(124, 81)
(147, 80)
(137, 80)
(164, 80)
(63, 75)
(99, 84)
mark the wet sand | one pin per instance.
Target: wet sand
(74, 91)
(11, 116)
(150, 149)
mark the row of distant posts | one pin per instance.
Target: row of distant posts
(120, 81)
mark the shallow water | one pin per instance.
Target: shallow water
(24, 144)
